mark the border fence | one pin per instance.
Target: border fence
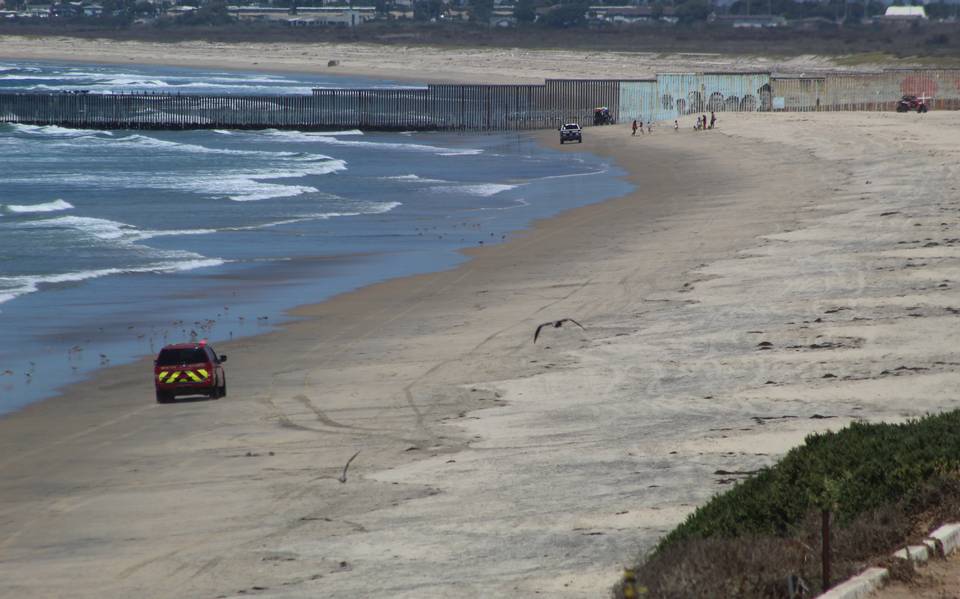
(480, 107)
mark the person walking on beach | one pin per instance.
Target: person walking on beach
(704, 121)
(634, 127)
(713, 119)
(650, 127)
(676, 125)
(697, 126)
(641, 126)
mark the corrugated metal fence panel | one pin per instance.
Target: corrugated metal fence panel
(735, 92)
(858, 91)
(639, 100)
(680, 93)
(576, 99)
(696, 93)
(941, 85)
(492, 107)
(797, 93)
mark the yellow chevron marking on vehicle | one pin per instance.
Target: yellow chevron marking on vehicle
(173, 376)
(203, 372)
(162, 376)
(193, 375)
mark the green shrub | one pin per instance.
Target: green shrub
(886, 485)
(861, 467)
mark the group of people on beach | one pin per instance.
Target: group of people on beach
(638, 126)
(702, 124)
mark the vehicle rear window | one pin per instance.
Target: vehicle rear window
(173, 357)
(573, 126)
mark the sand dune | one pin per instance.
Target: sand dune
(402, 63)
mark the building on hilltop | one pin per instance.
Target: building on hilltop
(631, 14)
(905, 13)
(748, 21)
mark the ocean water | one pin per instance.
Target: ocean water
(114, 243)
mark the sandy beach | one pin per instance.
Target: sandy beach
(784, 274)
(420, 64)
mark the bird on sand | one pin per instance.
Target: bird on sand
(555, 324)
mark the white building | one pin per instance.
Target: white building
(905, 12)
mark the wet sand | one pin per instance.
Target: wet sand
(784, 274)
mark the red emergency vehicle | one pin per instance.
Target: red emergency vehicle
(189, 369)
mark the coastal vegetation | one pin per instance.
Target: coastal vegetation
(881, 484)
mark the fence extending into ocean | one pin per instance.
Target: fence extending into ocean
(480, 107)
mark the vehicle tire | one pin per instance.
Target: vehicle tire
(580, 141)
(164, 397)
(561, 142)
(223, 388)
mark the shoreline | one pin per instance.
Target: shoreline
(292, 279)
(524, 468)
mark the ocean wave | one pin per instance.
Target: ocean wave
(55, 131)
(163, 144)
(12, 287)
(416, 178)
(268, 191)
(308, 135)
(479, 189)
(54, 206)
(363, 209)
(97, 228)
(102, 229)
(299, 136)
(241, 185)
(569, 175)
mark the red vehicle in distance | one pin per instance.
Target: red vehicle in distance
(189, 369)
(912, 103)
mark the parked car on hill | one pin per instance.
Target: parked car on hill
(571, 132)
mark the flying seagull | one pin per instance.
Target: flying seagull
(343, 477)
(555, 324)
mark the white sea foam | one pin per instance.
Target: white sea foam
(55, 131)
(416, 178)
(153, 142)
(308, 135)
(363, 209)
(480, 189)
(105, 230)
(53, 206)
(97, 228)
(567, 176)
(254, 191)
(12, 287)
(299, 136)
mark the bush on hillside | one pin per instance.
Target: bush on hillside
(886, 484)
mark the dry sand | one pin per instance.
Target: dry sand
(401, 63)
(493, 467)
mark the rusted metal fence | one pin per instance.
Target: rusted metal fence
(492, 107)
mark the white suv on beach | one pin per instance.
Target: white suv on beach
(571, 132)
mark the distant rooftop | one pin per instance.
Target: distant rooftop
(910, 12)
